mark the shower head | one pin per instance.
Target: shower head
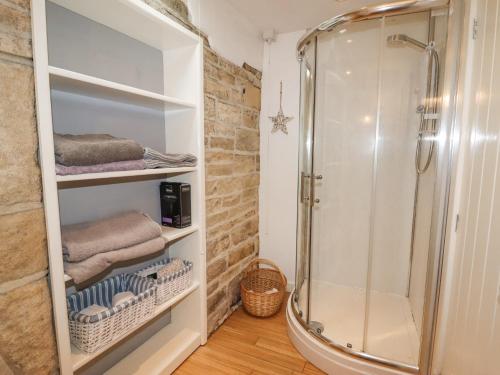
(403, 39)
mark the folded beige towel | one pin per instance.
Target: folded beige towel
(81, 241)
(88, 268)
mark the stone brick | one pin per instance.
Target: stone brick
(222, 143)
(231, 200)
(210, 71)
(26, 333)
(233, 290)
(228, 114)
(218, 156)
(209, 107)
(210, 56)
(241, 253)
(213, 128)
(212, 287)
(228, 66)
(244, 164)
(19, 172)
(249, 194)
(242, 212)
(224, 186)
(216, 318)
(15, 31)
(224, 77)
(216, 218)
(213, 204)
(251, 96)
(247, 140)
(212, 87)
(218, 246)
(215, 299)
(250, 180)
(250, 118)
(23, 248)
(217, 170)
(216, 232)
(244, 231)
(215, 269)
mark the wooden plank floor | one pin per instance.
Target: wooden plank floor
(248, 345)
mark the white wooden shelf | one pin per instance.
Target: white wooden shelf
(77, 100)
(124, 174)
(172, 234)
(80, 358)
(161, 354)
(82, 84)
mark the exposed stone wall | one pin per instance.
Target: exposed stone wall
(27, 344)
(232, 105)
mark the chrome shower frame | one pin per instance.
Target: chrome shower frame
(446, 137)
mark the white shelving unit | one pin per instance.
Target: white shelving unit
(120, 67)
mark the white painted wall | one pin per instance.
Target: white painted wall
(470, 308)
(230, 32)
(279, 154)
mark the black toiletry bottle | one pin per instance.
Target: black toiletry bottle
(175, 204)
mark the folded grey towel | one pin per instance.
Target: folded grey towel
(83, 240)
(129, 165)
(92, 149)
(88, 268)
(155, 159)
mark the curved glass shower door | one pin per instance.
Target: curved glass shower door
(366, 193)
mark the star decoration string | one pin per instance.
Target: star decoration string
(280, 120)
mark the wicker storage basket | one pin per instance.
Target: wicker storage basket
(170, 285)
(257, 285)
(90, 332)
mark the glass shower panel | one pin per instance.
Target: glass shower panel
(301, 296)
(391, 330)
(344, 142)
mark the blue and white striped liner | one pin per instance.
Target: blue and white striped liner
(102, 294)
(188, 266)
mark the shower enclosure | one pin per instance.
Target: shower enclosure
(373, 145)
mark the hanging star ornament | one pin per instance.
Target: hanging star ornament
(280, 120)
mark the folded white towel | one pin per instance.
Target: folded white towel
(93, 310)
(122, 297)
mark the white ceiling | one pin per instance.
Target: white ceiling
(292, 15)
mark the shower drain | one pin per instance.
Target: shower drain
(316, 327)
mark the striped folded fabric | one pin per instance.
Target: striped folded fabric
(155, 159)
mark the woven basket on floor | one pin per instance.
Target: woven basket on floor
(256, 282)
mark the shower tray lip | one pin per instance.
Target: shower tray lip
(293, 316)
(391, 7)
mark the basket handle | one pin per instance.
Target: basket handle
(269, 263)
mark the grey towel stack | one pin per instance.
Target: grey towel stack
(155, 159)
(90, 248)
(93, 153)
(92, 149)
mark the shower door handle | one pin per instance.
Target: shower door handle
(314, 200)
(303, 177)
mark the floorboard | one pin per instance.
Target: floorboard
(245, 345)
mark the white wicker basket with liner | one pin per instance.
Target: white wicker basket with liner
(91, 332)
(169, 285)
